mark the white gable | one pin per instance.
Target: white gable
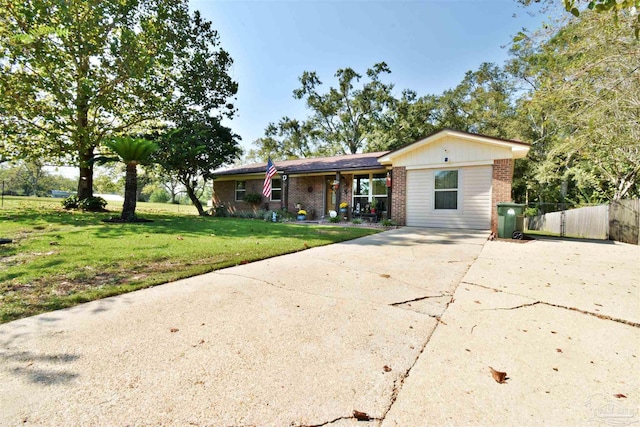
(454, 148)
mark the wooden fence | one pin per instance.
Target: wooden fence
(618, 221)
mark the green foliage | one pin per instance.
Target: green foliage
(194, 149)
(96, 259)
(582, 109)
(131, 150)
(70, 202)
(253, 198)
(159, 195)
(92, 204)
(76, 72)
(356, 221)
(335, 219)
(389, 223)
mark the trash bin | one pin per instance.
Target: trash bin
(510, 220)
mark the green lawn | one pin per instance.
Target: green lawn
(62, 258)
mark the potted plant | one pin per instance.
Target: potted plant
(343, 207)
(374, 205)
(302, 215)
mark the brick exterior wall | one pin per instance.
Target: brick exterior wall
(399, 195)
(308, 191)
(500, 187)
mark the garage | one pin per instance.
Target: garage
(449, 198)
(452, 179)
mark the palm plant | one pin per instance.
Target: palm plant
(131, 151)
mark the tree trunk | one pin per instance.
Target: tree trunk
(130, 191)
(85, 147)
(85, 183)
(194, 200)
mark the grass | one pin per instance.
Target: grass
(62, 258)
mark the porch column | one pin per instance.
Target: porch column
(337, 206)
(285, 191)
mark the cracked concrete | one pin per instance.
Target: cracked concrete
(303, 339)
(402, 326)
(566, 363)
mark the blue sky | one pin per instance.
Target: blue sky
(427, 44)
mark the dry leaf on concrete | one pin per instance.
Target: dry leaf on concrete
(620, 396)
(386, 368)
(361, 416)
(500, 377)
(386, 276)
(174, 329)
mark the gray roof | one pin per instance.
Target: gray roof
(320, 164)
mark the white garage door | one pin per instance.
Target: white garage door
(473, 194)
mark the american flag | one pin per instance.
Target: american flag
(271, 171)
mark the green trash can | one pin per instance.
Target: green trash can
(510, 220)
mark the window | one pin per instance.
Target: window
(368, 187)
(276, 189)
(446, 190)
(241, 189)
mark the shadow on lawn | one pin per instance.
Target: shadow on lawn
(195, 226)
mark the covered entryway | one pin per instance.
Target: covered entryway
(450, 197)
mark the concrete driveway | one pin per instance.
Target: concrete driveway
(398, 328)
(301, 339)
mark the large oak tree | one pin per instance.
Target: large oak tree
(74, 72)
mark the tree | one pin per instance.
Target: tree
(131, 152)
(406, 120)
(585, 100)
(344, 117)
(195, 149)
(600, 6)
(289, 139)
(481, 103)
(75, 72)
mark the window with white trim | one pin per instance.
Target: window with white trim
(241, 190)
(369, 187)
(276, 189)
(446, 189)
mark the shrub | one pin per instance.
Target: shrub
(356, 221)
(389, 223)
(335, 219)
(70, 202)
(159, 196)
(220, 211)
(529, 212)
(92, 204)
(253, 198)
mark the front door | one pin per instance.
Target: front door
(330, 196)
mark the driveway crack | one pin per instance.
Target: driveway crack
(418, 299)
(589, 313)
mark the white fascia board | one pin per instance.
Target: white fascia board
(451, 165)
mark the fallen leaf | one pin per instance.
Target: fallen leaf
(620, 396)
(243, 262)
(553, 332)
(180, 238)
(500, 377)
(361, 416)
(559, 350)
(54, 243)
(386, 368)
(555, 369)
(174, 329)
(386, 276)
(477, 302)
